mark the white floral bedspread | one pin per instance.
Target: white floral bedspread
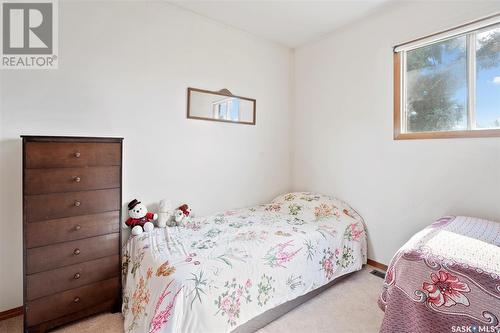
(220, 271)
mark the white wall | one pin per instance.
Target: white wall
(343, 126)
(123, 71)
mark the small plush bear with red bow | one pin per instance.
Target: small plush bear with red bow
(140, 219)
(181, 214)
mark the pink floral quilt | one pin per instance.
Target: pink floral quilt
(218, 272)
(446, 278)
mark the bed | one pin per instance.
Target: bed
(446, 278)
(216, 273)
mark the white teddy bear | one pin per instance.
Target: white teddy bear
(139, 218)
(165, 215)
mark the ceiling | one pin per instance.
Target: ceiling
(291, 23)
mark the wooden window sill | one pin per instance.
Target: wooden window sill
(448, 134)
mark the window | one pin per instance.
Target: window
(448, 85)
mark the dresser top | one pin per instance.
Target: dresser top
(42, 138)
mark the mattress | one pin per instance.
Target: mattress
(218, 272)
(446, 278)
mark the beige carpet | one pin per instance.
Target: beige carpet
(348, 306)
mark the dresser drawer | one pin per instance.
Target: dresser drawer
(48, 257)
(40, 181)
(57, 205)
(70, 277)
(110, 306)
(74, 300)
(70, 155)
(71, 228)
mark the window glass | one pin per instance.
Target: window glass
(436, 87)
(488, 79)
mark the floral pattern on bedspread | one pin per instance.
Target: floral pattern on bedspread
(220, 271)
(446, 278)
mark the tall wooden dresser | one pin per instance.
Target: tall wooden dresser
(71, 228)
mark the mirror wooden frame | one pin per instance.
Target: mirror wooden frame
(222, 92)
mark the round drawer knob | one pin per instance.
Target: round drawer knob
(77, 154)
(76, 252)
(77, 203)
(78, 227)
(77, 276)
(76, 300)
(77, 179)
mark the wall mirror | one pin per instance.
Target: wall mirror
(220, 105)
